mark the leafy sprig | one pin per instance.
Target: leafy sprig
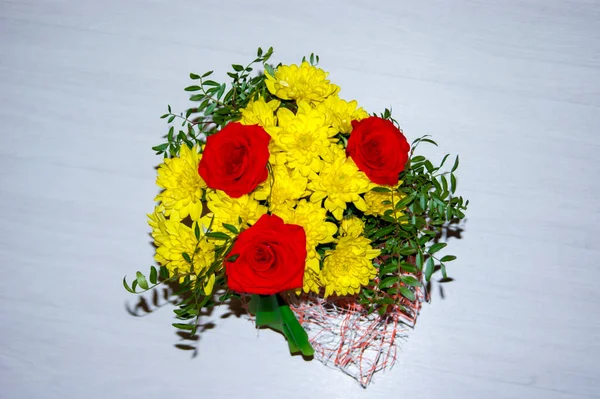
(423, 207)
(218, 104)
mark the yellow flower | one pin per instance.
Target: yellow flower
(312, 270)
(311, 217)
(300, 139)
(340, 113)
(349, 266)
(352, 227)
(375, 201)
(300, 83)
(339, 182)
(283, 188)
(209, 284)
(173, 238)
(182, 185)
(228, 210)
(260, 113)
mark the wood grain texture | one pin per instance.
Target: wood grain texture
(513, 86)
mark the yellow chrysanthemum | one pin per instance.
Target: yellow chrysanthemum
(228, 210)
(340, 113)
(312, 281)
(352, 227)
(300, 83)
(182, 185)
(173, 238)
(339, 182)
(301, 138)
(283, 188)
(378, 203)
(311, 217)
(260, 113)
(349, 266)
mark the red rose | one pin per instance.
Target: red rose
(271, 258)
(379, 149)
(235, 159)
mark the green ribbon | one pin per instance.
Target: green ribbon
(272, 311)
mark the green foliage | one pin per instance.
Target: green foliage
(189, 287)
(409, 233)
(217, 104)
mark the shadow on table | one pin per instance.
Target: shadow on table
(160, 297)
(452, 230)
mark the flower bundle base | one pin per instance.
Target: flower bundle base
(346, 337)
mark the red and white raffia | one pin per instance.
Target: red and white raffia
(344, 336)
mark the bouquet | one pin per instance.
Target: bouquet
(316, 215)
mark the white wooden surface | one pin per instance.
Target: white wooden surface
(513, 86)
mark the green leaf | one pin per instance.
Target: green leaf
(210, 83)
(153, 275)
(429, 166)
(387, 269)
(237, 68)
(218, 235)
(444, 183)
(164, 272)
(127, 287)
(407, 267)
(197, 231)
(405, 201)
(429, 268)
(381, 190)
(428, 141)
(444, 274)
(419, 260)
(269, 70)
(161, 148)
(221, 91)
(382, 232)
(448, 258)
(408, 294)
(186, 257)
(443, 160)
(141, 280)
(183, 326)
(410, 280)
(418, 158)
(455, 164)
(207, 74)
(193, 88)
(388, 282)
(407, 251)
(194, 76)
(452, 183)
(210, 109)
(436, 247)
(231, 228)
